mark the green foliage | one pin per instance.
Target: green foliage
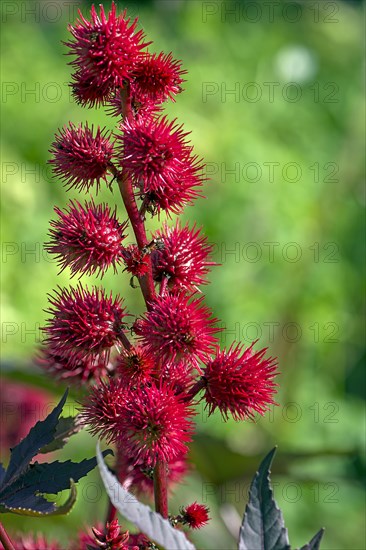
(40, 435)
(263, 526)
(66, 427)
(314, 544)
(22, 484)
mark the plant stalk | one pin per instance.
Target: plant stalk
(125, 187)
(112, 511)
(5, 539)
(161, 488)
(146, 283)
(136, 218)
(196, 388)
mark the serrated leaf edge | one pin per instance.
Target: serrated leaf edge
(62, 438)
(264, 466)
(314, 541)
(62, 510)
(12, 474)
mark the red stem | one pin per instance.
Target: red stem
(148, 290)
(136, 219)
(125, 341)
(161, 488)
(5, 539)
(198, 386)
(125, 187)
(112, 511)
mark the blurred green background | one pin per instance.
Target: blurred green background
(274, 101)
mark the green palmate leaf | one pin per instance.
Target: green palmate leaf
(26, 500)
(50, 477)
(23, 484)
(44, 507)
(40, 435)
(263, 526)
(314, 544)
(66, 427)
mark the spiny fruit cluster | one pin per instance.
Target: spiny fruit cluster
(143, 388)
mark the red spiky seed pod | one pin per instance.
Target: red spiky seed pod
(180, 375)
(156, 425)
(240, 382)
(77, 371)
(173, 198)
(195, 515)
(135, 366)
(106, 48)
(155, 78)
(86, 93)
(183, 258)
(103, 407)
(154, 151)
(84, 323)
(150, 422)
(88, 239)
(178, 327)
(135, 261)
(155, 154)
(81, 158)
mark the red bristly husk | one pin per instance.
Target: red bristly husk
(151, 422)
(88, 239)
(158, 159)
(85, 323)
(106, 49)
(184, 257)
(178, 327)
(80, 157)
(155, 78)
(195, 515)
(240, 382)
